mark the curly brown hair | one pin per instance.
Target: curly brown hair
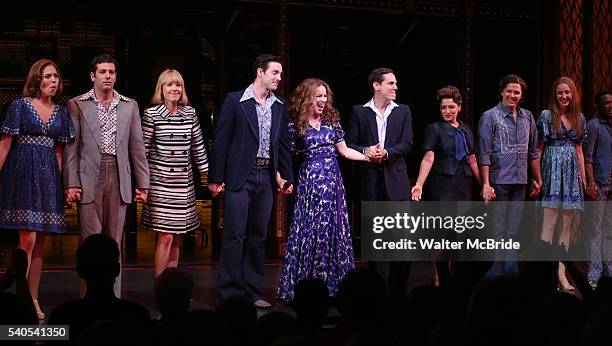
(301, 105)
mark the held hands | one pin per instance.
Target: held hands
(536, 187)
(417, 192)
(216, 188)
(591, 191)
(284, 186)
(488, 193)
(141, 195)
(374, 153)
(72, 194)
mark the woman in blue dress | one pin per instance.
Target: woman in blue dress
(319, 243)
(31, 143)
(562, 131)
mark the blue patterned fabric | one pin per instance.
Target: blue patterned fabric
(31, 194)
(319, 243)
(561, 176)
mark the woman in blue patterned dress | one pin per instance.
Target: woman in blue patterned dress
(561, 130)
(31, 143)
(319, 243)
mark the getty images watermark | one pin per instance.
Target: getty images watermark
(468, 231)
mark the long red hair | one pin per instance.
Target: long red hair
(573, 113)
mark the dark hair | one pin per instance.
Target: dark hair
(31, 87)
(511, 78)
(599, 101)
(262, 62)
(100, 59)
(449, 92)
(98, 258)
(378, 75)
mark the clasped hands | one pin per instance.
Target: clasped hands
(284, 187)
(374, 153)
(74, 194)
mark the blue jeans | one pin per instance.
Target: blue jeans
(506, 221)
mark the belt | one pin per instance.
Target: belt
(262, 162)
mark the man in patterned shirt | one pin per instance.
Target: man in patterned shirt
(250, 153)
(508, 144)
(97, 166)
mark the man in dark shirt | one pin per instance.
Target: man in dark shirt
(598, 164)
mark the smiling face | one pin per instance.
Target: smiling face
(449, 110)
(320, 100)
(606, 106)
(271, 76)
(387, 88)
(511, 95)
(49, 81)
(563, 95)
(104, 78)
(172, 91)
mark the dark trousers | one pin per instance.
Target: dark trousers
(246, 216)
(506, 221)
(395, 273)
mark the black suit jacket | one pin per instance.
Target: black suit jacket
(362, 132)
(236, 142)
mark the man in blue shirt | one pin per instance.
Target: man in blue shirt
(508, 143)
(598, 164)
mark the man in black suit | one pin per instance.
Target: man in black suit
(382, 130)
(250, 154)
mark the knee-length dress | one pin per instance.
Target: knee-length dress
(319, 243)
(31, 193)
(173, 143)
(561, 176)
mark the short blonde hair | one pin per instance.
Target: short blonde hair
(169, 76)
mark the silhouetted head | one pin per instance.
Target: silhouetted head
(361, 295)
(240, 315)
(272, 326)
(173, 289)
(98, 259)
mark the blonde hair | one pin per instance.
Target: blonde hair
(169, 76)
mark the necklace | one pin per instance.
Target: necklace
(316, 124)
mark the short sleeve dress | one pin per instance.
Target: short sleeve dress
(319, 243)
(561, 176)
(31, 193)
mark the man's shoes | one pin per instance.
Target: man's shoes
(262, 304)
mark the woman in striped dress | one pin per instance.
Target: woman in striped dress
(173, 141)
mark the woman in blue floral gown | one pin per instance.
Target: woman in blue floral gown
(31, 144)
(562, 131)
(319, 243)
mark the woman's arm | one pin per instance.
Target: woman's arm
(349, 153)
(426, 163)
(5, 146)
(582, 168)
(59, 150)
(474, 168)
